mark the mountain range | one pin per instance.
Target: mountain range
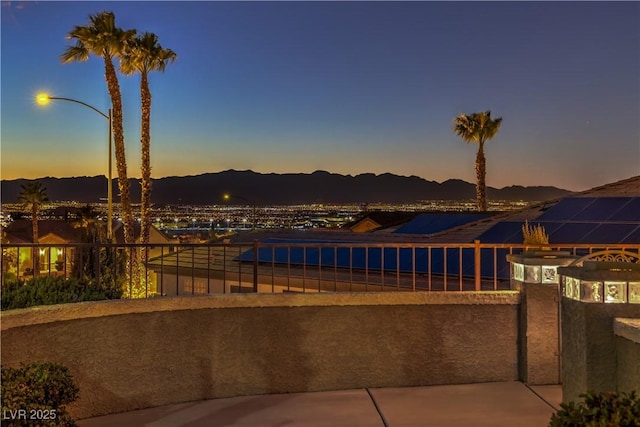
(248, 187)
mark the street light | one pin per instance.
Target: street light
(43, 99)
(227, 197)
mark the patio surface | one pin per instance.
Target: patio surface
(487, 404)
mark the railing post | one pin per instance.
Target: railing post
(478, 269)
(255, 266)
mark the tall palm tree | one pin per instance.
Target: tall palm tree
(143, 55)
(33, 195)
(478, 128)
(102, 38)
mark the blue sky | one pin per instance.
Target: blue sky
(347, 87)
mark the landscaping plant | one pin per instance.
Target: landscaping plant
(605, 409)
(47, 290)
(36, 395)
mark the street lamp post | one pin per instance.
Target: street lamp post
(253, 205)
(43, 99)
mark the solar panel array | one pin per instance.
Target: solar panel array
(595, 220)
(429, 223)
(603, 220)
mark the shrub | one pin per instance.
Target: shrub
(534, 235)
(606, 409)
(47, 290)
(36, 394)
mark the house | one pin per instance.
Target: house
(58, 260)
(51, 259)
(379, 220)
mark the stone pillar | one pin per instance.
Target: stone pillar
(535, 274)
(592, 297)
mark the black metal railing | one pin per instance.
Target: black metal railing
(179, 269)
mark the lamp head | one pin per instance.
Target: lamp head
(43, 98)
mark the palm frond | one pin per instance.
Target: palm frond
(476, 127)
(33, 193)
(144, 54)
(77, 53)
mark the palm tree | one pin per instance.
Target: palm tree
(143, 55)
(88, 222)
(478, 128)
(85, 266)
(104, 39)
(33, 195)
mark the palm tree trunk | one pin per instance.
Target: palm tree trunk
(145, 200)
(131, 270)
(145, 142)
(118, 140)
(35, 254)
(481, 171)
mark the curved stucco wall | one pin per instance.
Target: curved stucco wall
(127, 355)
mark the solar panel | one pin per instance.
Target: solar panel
(609, 233)
(487, 263)
(566, 209)
(571, 232)
(633, 237)
(511, 231)
(430, 223)
(503, 232)
(601, 209)
(629, 212)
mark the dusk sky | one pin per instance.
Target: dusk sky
(346, 87)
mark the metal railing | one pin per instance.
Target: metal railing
(178, 269)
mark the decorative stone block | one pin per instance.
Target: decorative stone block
(550, 274)
(634, 292)
(518, 271)
(606, 282)
(532, 273)
(615, 292)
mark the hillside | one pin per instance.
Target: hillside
(280, 189)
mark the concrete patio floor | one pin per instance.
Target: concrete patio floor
(487, 404)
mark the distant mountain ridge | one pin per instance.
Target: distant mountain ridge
(279, 189)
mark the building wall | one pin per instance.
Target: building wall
(127, 355)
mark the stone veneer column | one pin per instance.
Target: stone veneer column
(592, 298)
(535, 274)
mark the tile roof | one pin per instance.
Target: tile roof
(20, 230)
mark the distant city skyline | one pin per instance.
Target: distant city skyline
(346, 87)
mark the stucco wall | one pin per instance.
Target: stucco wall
(539, 334)
(126, 355)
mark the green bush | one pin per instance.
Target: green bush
(47, 290)
(36, 395)
(606, 409)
